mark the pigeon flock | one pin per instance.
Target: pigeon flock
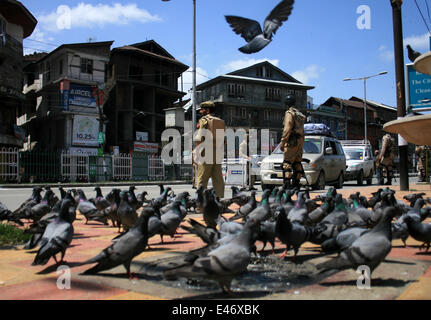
(359, 229)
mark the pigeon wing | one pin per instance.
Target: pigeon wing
(247, 28)
(276, 17)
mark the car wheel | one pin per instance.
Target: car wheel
(360, 178)
(320, 183)
(340, 182)
(370, 178)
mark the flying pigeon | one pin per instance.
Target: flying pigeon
(251, 31)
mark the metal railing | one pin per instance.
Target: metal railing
(63, 166)
(9, 164)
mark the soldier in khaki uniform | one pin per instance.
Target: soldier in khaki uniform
(421, 152)
(386, 158)
(210, 170)
(243, 153)
(292, 142)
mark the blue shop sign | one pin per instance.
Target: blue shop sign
(82, 96)
(419, 88)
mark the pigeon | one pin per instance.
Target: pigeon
(211, 209)
(370, 249)
(43, 207)
(246, 209)
(400, 229)
(6, 214)
(343, 240)
(292, 234)
(57, 236)
(33, 200)
(223, 263)
(111, 212)
(267, 234)
(419, 231)
(126, 213)
(100, 201)
(412, 54)
(134, 202)
(125, 248)
(251, 31)
(207, 234)
(171, 220)
(359, 209)
(299, 212)
(88, 209)
(412, 197)
(263, 210)
(319, 213)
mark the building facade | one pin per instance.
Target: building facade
(254, 98)
(16, 24)
(62, 111)
(142, 83)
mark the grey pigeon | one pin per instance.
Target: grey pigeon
(211, 209)
(299, 213)
(370, 249)
(223, 263)
(171, 220)
(126, 213)
(112, 211)
(122, 251)
(263, 210)
(419, 231)
(251, 31)
(57, 237)
(207, 234)
(400, 229)
(100, 201)
(133, 200)
(412, 54)
(267, 233)
(292, 234)
(247, 208)
(88, 208)
(339, 216)
(343, 240)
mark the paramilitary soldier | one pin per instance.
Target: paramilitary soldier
(386, 159)
(421, 152)
(210, 168)
(292, 142)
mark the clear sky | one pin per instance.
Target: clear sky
(320, 44)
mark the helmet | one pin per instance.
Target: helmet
(290, 100)
(207, 105)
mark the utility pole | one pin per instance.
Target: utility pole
(400, 84)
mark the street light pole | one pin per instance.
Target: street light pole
(194, 74)
(364, 79)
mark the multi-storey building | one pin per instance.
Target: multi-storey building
(62, 110)
(142, 83)
(254, 98)
(16, 24)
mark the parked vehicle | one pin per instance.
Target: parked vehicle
(327, 164)
(359, 160)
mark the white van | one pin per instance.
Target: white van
(359, 161)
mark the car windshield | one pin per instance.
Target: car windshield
(354, 154)
(311, 145)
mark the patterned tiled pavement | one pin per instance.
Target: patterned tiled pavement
(405, 274)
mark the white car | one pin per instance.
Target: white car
(359, 161)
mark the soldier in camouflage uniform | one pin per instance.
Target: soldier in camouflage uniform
(213, 169)
(292, 142)
(386, 159)
(421, 152)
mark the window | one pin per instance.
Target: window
(48, 71)
(2, 26)
(236, 90)
(244, 113)
(60, 67)
(86, 65)
(266, 114)
(272, 94)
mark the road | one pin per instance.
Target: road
(12, 197)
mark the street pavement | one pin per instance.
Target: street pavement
(405, 274)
